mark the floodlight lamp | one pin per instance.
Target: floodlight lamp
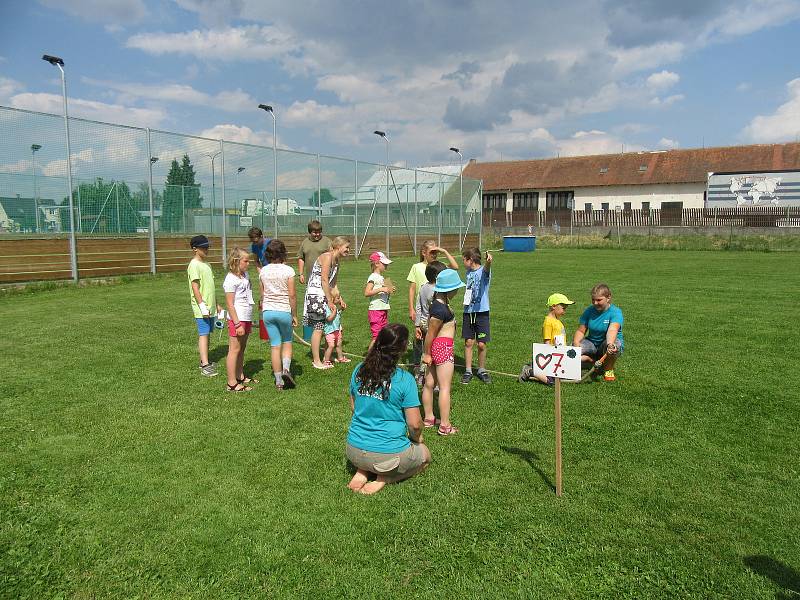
(456, 150)
(240, 169)
(53, 60)
(153, 160)
(380, 133)
(35, 147)
(265, 107)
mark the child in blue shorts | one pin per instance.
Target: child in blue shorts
(475, 324)
(600, 331)
(204, 300)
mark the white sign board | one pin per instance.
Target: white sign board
(245, 221)
(560, 362)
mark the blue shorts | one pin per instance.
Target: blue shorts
(205, 325)
(279, 326)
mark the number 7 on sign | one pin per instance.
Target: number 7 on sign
(563, 362)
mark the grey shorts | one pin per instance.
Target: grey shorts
(588, 348)
(394, 467)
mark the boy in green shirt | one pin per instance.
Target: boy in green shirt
(204, 301)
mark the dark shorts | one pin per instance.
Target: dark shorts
(475, 326)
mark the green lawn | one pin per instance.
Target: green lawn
(124, 473)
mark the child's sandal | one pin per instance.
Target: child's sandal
(239, 387)
(447, 430)
(246, 380)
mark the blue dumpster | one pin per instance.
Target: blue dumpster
(519, 243)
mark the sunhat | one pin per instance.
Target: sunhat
(447, 281)
(379, 257)
(558, 299)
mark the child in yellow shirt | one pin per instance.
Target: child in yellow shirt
(553, 333)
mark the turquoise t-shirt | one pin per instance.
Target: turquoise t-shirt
(478, 282)
(379, 425)
(598, 323)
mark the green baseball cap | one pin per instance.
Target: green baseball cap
(558, 299)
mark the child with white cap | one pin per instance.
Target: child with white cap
(378, 291)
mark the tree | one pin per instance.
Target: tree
(181, 193)
(325, 194)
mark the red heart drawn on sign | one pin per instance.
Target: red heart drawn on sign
(545, 360)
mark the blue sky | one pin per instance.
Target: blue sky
(503, 80)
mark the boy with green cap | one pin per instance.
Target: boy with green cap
(553, 333)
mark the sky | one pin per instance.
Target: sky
(501, 80)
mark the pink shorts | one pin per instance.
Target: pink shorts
(442, 350)
(378, 319)
(248, 327)
(333, 338)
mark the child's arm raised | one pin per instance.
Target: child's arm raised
(450, 260)
(487, 267)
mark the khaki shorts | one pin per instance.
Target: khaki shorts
(393, 467)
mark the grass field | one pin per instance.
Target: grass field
(124, 473)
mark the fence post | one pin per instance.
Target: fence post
(388, 253)
(416, 213)
(480, 214)
(439, 234)
(152, 227)
(183, 208)
(116, 202)
(355, 206)
(224, 224)
(319, 190)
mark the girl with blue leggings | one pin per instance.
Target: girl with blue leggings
(279, 306)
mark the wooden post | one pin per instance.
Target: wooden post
(558, 436)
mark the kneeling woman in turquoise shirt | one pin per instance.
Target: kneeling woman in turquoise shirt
(385, 436)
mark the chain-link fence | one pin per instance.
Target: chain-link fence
(134, 182)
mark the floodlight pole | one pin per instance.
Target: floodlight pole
(386, 139)
(34, 149)
(224, 205)
(271, 111)
(152, 229)
(460, 198)
(213, 157)
(73, 256)
(238, 193)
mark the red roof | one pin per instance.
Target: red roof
(634, 168)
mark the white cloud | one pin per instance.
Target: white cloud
(90, 109)
(102, 11)
(229, 100)
(744, 87)
(662, 80)
(668, 101)
(58, 168)
(250, 43)
(668, 143)
(782, 125)
(9, 87)
(236, 133)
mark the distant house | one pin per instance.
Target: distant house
(18, 214)
(672, 179)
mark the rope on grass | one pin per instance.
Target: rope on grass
(307, 344)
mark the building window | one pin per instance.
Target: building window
(626, 207)
(493, 201)
(642, 168)
(526, 201)
(560, 200)
(587, 207)
(604, 206)
(645, 206)
(603, 170)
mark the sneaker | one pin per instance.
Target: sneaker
(525, 374)
(484, 376)
(466, 377)
(609, 376)
(209, 370)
